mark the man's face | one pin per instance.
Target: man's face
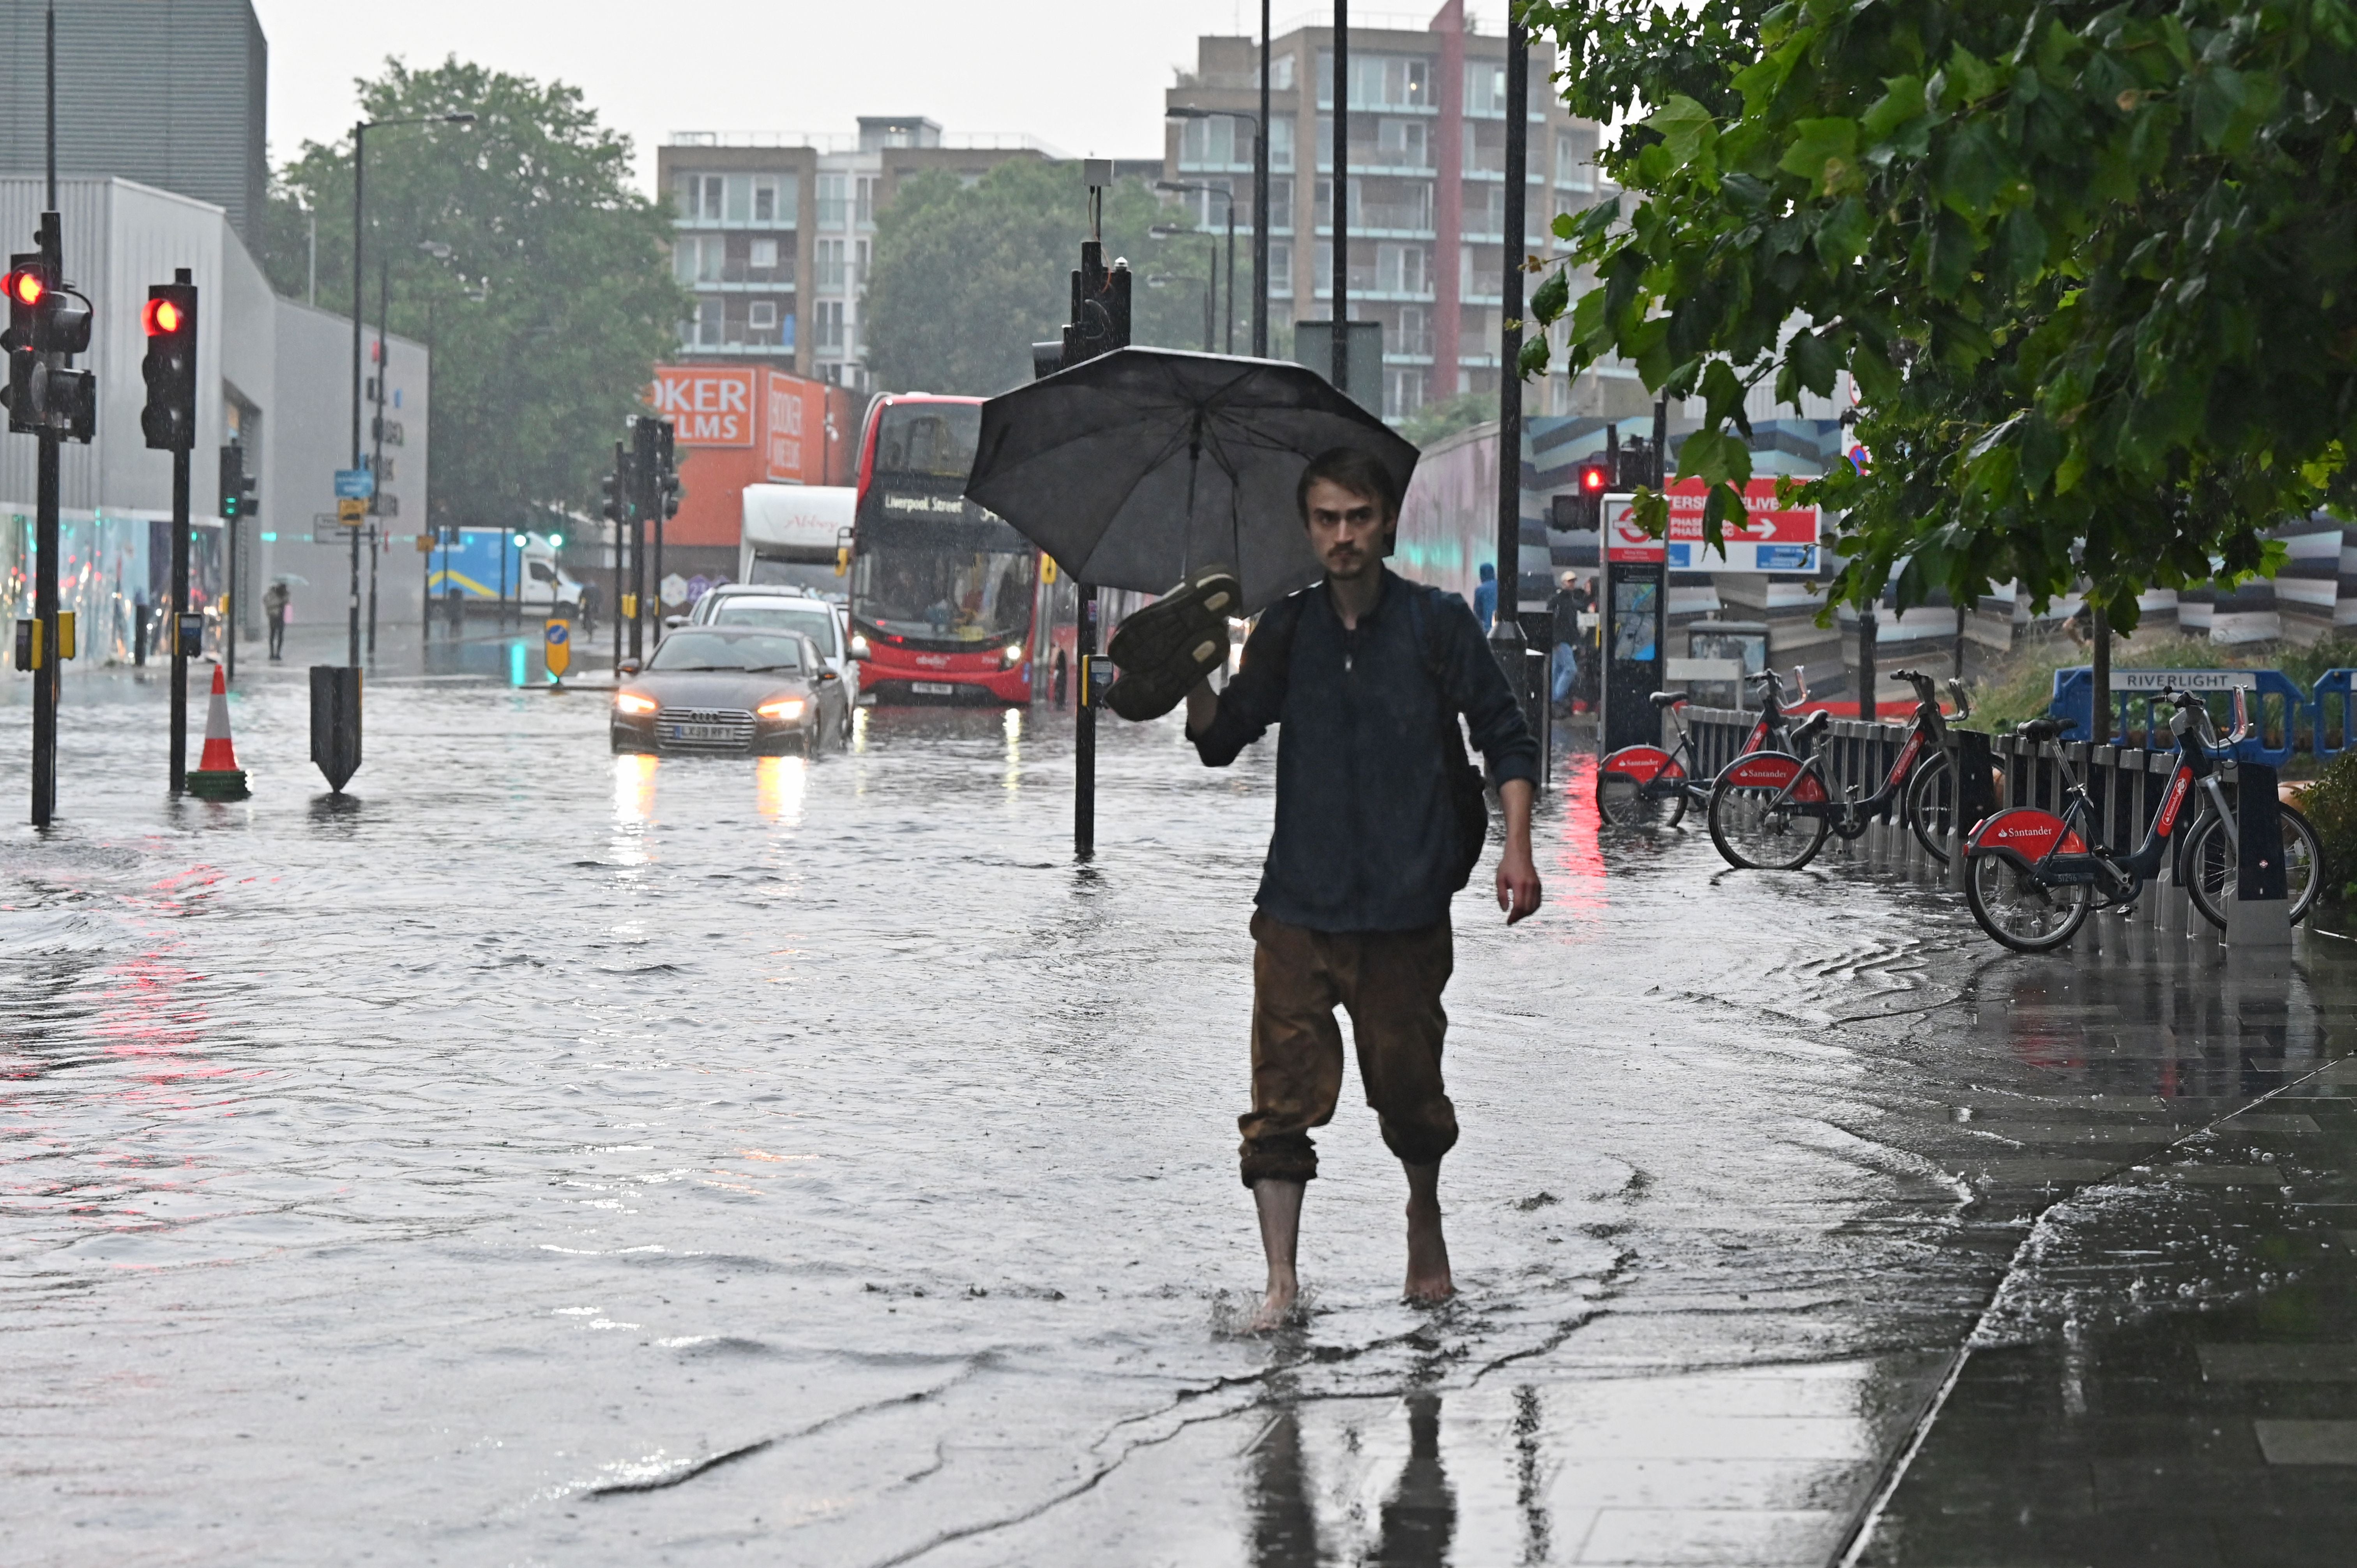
(1348, 530)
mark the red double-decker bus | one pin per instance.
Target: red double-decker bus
(944, 595)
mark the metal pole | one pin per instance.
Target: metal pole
(46, 682)
(2102, 682)
(1210, 293)
(1231, 329)
(360, 174)
(622, 499)
(1341, 203)
(1085, 735)
(376, 459)
(230, 606)
(1259, 201)
(1506, 636)
(180, 608)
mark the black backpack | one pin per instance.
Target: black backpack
(1467, 797)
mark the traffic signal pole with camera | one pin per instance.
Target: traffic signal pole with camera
(169, 424)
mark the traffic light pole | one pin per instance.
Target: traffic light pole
(1085, 735)
(376, 465)
(1506, 638)
(180, 608)
(45, 612)
(230, 607)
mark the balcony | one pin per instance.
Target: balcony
(752, 285)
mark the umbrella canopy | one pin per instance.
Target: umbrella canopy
(1140, 466)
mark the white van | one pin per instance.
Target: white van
(798, 535)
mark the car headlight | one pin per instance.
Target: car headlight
(1013, 654)
(784, 708)
(634, 704)
(859, 648)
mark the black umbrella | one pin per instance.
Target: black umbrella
(1143, 465)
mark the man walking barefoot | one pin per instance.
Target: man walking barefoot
(1368, 673)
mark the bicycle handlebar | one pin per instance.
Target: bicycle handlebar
(1964, 702)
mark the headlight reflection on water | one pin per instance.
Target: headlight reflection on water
(1014, 727)
(634, 806)
(779, 783)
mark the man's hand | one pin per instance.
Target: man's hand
(1202, 702)
(1518, 879)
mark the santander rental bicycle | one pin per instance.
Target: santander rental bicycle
(1773, 811)
(1646, 787)
(2031, 878)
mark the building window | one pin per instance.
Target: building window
(696, 198)
(1324, 216)
(1402, 143)
(703, 331)
(866, 201)
(1280, 74)
(859, 267)
(1280, 144)
(830, 326)
(1575, 159)
(1414, 335)
(1213, 144)
(1206, 210)
(1402, 269)
(1379, 81)
(833, 200)
(761, 316)
(1280, 268)
(763, 255)
(699, 258)
(1485, 88)
(830, 266)
(1402, 391)
(1280, 204)
(741, 198)
(1485, 209)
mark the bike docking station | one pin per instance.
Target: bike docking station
(2114, 851)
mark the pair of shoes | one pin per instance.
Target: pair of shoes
(1163, 650)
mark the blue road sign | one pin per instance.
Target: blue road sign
(354, 484)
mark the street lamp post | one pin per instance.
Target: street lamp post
(1259, 201)
(360, 282)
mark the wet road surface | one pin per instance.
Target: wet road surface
(540, 1156)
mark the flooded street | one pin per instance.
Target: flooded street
(542, 1156)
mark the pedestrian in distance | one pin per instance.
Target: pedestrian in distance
(275, 600)
(1485, 598)
(1563, 609)
(1063, 672)
(1375, 830)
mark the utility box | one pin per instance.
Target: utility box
(336, 722)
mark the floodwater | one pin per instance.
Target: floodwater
(540, 1156)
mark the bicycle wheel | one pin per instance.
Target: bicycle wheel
(1932, 804)
(2211, 857)
(1624, 802)
(2014, 907)
(1756, 831)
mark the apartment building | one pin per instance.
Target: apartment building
(1426, 191)
(773, 233)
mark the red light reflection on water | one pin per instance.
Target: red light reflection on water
(1574, 881)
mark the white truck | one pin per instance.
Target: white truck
(798, 534)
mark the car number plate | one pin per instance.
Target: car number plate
(702, 732)
(932, 688)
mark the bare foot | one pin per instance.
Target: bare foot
(1279, 1204)
(1428, 1279)
(1276, 1306)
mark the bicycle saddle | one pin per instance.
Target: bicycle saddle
(1667, 699)
(2038, 729)
(1810, 726)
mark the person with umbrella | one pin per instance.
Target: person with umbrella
(1367, 673)
(1245, 480)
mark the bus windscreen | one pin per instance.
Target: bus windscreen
(934, 440)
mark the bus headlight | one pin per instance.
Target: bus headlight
(784, 710)
(632, 703)
(859, 648)
(1013, 654)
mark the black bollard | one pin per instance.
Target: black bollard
(336, 722)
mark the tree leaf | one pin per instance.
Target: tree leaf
(1686, 127)
(1822, 151)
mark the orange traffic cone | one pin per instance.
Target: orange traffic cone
(217, 775)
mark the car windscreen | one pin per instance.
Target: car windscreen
(688, 649)
(814, 621)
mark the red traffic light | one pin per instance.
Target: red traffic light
(1594, 478)
(28, 288)
(163, 317)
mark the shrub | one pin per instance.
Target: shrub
(2330, 807)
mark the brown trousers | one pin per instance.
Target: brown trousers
(1390, 984)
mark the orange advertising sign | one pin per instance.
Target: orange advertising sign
(796, 430)
(708, 405)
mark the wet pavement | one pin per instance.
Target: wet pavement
(540, 1156)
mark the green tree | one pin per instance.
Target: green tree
(2088, 266)
(1436, 421)
(968, 277)
(518, 248)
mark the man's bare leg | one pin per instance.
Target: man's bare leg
(1279, 1203)
(1427, 1251)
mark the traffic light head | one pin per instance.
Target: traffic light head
(169, 420)
(1594, 478)
(28, 286)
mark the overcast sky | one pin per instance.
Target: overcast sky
(1025, 65)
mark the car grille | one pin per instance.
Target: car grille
(734, 730)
